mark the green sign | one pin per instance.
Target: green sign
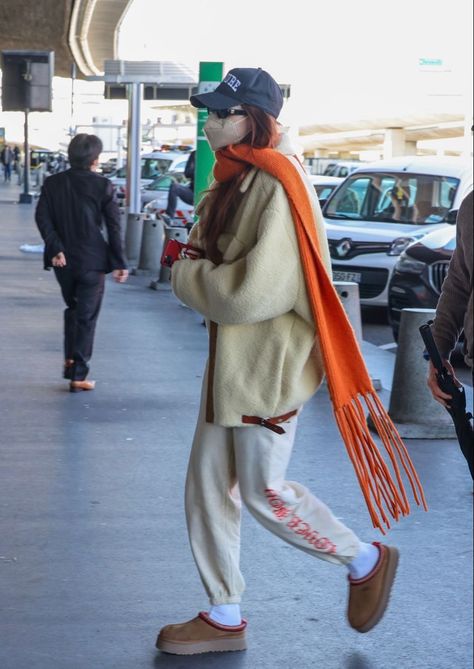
(210, 75)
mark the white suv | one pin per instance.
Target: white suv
(383, 207)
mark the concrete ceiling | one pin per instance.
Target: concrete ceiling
(405, 121)
(42, 25)
(93, 32)
(81, 31)
(365, 134)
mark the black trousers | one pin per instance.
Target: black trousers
(176, 190)
(82, 292)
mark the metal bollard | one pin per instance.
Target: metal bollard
(412, 407)
(153, 238)
(348, 292)
(164, 276)
(123, 222)
(133, 238)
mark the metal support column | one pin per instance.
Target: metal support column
(119, 148)
(26, 197)
(135, 93)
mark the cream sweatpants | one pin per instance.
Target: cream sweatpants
(252, 461)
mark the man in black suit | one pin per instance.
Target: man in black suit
(79, 221)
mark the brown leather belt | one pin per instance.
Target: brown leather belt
(270, 423)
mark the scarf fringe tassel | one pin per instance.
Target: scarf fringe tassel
(383, 491)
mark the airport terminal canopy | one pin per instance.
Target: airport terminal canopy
(80, 31)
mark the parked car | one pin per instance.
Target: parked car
(153, 165)
(158, 189)
(40, 156)
(108, 167)
(324, 185)
(383, 207)
(53, 161)
(341, 168)
(155, 198)
(419, 273)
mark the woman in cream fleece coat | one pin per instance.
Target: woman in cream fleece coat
(264, 358)
(264, 364)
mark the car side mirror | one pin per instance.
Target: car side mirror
(452, 216)
(322, 202)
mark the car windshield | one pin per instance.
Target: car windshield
(415, 199)
(324, 191)
(154, 167)
(163, 183)
(151, 168)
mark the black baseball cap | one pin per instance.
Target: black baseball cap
(243, 85)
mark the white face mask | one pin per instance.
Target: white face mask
(222, 132)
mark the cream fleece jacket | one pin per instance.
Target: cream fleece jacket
(265, 358)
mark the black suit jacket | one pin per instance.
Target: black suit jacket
(72, 211)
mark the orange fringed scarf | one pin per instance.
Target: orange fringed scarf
(349, 383)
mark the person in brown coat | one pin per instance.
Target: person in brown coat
(454, 312)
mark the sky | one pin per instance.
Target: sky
(344, 60)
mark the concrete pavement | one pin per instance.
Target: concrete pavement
(94, 557)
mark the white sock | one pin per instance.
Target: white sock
(365, 561)
(226, 614)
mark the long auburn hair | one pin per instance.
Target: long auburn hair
(224, 198)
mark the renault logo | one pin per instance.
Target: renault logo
(344, 247)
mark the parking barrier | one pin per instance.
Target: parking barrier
(133, 239)
(153, 238)
(164, 275)
(412, 407)
(123, 222)
(348, 292)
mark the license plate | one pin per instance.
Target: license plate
(347, 276)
